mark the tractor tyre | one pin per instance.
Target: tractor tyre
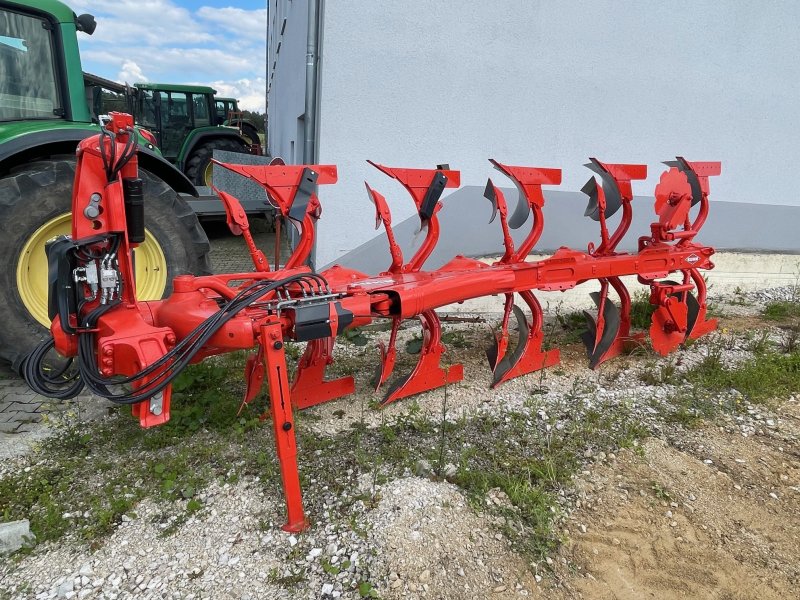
(199, 166)
(250, 133)
(35, 204)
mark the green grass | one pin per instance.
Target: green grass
(693, 407)
(655, 374)
(513, 453)
(355, 336)
(101, 471)
(98, 472)
(766, 376)
(782, 310)
(660, 491)
(572, 325)
(641, 310)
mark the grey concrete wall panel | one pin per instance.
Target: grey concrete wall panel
(464, 229)
(245, 190)
(548, 84)
(286, 85)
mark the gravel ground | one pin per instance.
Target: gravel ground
(412, 536)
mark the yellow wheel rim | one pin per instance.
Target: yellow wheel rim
(151, 268)
(207, 172)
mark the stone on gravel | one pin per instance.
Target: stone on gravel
(423, 468)
(14, 535)
(65, 588)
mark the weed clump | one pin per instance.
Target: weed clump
(782, 310)
(766, 376)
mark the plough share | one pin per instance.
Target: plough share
(130, 351)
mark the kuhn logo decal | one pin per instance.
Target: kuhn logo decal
(692, 258)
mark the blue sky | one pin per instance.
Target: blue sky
(211, 42)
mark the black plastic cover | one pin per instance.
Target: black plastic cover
(312, 322)
(133, 189)
(435, 190)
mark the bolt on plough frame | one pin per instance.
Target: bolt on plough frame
(129, 351)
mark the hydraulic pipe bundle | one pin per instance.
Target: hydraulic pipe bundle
(130, 351)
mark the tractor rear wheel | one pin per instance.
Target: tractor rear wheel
(35, 204)
(199, 165)
(250, 133)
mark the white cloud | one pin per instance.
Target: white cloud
(249, 92)
(221, 47)
(247, 23)
(131, 72)
(146, 22)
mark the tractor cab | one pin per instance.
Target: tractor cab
(172, 112)
(227, 109)
(228, 113)
(29, 85)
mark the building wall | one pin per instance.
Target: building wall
(418, 83)
(286, 77)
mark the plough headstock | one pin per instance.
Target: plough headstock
(120, 340)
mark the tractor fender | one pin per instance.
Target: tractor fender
(166, 171)
(24, 148)
(235, 123)
(39, 144)
(199, 136)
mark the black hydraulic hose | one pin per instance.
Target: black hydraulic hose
(47, 385)
(169, 366)
(128, 152)
(178, 361)
(243, 296)
(169, 372)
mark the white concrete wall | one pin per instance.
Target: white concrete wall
(286, 77)
(417, 83)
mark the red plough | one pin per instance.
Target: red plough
(130, 351)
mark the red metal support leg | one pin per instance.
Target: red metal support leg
(271, 339)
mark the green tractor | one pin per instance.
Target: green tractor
(186, 121)
(44, 113)
(186, 126)
(228, 113)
